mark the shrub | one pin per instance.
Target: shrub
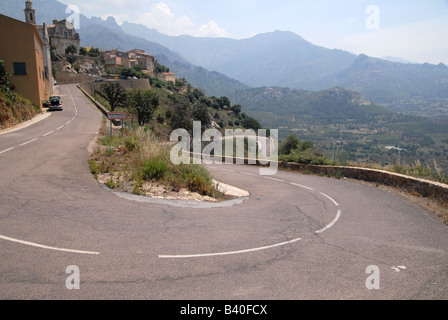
(130, 143)
(197, 179)
(154, 169)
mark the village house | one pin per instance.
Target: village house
(115, 58)
(167, 76)
(22, 50)
(30, 17)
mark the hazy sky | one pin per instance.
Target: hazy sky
(415, 30)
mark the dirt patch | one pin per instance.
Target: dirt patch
(150, 189)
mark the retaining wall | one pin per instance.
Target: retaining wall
(425, 188)
(100, 107)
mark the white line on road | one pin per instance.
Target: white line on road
(274, 179)
(29, 141)
(330, 224)
(47, 134)
(46, 247)
(6, 150)
(337, 204)
(249, 174)
(227, 253)
(60, 128)
(301, 186)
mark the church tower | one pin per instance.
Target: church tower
(30, 13)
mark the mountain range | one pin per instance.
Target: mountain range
(222, 66)
(333, 97)
(285, 59)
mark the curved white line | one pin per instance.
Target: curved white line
(47, 247)
(301, 186)
(335, 203)
(331, 223)
(226, 253)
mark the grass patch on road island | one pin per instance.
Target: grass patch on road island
(139, 163)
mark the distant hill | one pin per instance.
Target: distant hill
(285, 59)
(109, 35)
(278, 58)
(334, 105)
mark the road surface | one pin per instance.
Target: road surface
(294, 237)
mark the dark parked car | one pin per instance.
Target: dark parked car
(55, 103)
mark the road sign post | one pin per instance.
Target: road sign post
(117, 116)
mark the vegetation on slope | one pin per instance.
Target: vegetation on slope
(139, 162)
(14, 108)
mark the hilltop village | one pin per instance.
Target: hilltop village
(52, 54)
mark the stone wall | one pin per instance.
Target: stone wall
(425, 188)
(67, 77)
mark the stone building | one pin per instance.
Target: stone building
(115, 58)
(63, 34)
(60, 34)
(167, 76)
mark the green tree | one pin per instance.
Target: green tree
(6, 86)
(145, 104)
(160, 68)
(251, 123)
(200, 113)
(180, 118)
(5, 78)
(83, 51)
(114, 93)
(291, 143)
(95, 52)
(71, 49)
(236, 109)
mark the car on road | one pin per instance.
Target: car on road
(55, 103)
(99, 80)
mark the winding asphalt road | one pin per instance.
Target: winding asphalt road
(294, 237)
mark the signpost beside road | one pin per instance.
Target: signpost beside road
(116, 116)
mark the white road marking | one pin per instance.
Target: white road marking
(331, 223)
(60, 128)
(279, 180)
(6, 150)
(47, 247)
(397, 268)
(248, 174)
(227, 253)
(25, 143)
(47, 134)
(301, 186)
(337, 204)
